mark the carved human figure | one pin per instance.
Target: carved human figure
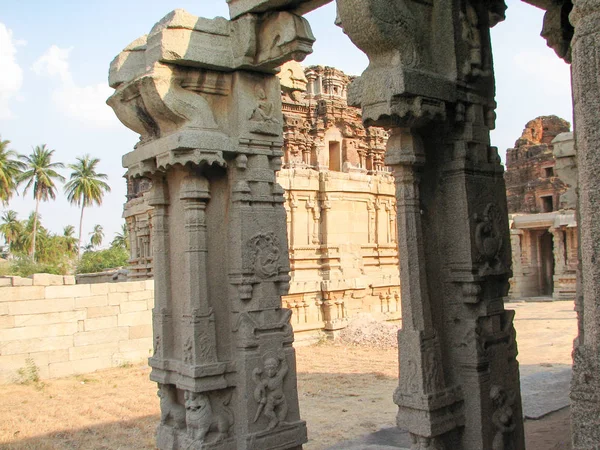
(269, 390)
(472, 36)
(502, 418)
(264, 110)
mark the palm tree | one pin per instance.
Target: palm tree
(10, 228)
(10, 169)
(121, 239)
(97, 236)
(85, 187)
(69, 238)
(40, 173)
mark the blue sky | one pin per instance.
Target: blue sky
(55, 56)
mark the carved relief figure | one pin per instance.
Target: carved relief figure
(269, 390)
(265, 254)
(488, 237)
(171, 412)
(472, 37)
(262, 120)
(410, 380)
(264, 110)
(502, 418)
(201, 419)
(187, 351)
(156, 344)
(433, 374)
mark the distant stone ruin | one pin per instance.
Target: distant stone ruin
(541, 180)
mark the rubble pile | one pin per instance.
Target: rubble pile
(366, 331)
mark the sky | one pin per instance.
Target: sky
(54, 59)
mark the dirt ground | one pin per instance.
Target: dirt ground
(344, 392)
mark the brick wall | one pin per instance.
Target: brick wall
(68, 328)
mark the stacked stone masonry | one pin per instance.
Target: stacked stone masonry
(66, 328)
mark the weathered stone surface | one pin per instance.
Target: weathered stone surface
(585, 387)
(431, 81)
(532, 185)
(543, 227)
(566, 168)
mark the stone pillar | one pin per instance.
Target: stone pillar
(430, 82)
(516, 238)
(203, 96)
(560, 263)
(585, 70)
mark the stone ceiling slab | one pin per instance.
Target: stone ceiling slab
(238, 8)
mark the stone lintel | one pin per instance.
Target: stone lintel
(238, 8)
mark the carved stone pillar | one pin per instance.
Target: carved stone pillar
(205, 100)
(585, 70)
(516, 244)
(430, 81)
(558, 239)
(421, 373)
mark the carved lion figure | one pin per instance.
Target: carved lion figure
(201, 419)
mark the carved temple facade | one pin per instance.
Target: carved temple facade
(541, 178)
(340, 206)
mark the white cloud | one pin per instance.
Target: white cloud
(11, 75)
(55, 62)
(546, 68)
(86, 104)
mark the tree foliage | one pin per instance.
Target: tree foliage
(121, 239)
(85, 187)
(100, 260)
(40, 173)
(10, 170)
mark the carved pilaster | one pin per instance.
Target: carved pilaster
(426, 407)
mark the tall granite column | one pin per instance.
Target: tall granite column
(430, 82)
(203, 96)
(585, 70)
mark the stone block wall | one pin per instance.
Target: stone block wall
(68, 328)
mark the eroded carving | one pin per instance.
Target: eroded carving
(262, 119)
(502, 418)
(269, 389)
(488, 238)
(171, 412)
(201, 419)
(265, 254)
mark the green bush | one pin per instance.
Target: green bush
(25, 267)
(97, 261)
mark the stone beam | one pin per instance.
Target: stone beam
(203, 96)
(238, 8)
(542, 4)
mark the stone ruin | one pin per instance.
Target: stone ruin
(543, 227)
(203, 96)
